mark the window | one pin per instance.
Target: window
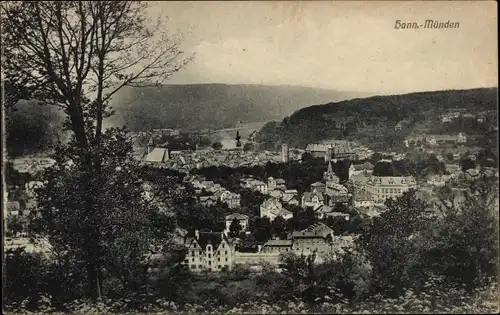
(186, 261)
(192, 259)
(193, 253)
(193, 266)
(209, 255)
(218, 252)
(200, 266)
(225, 252)
(222, 245)
(226, 259)
(219, 266)
(218, 259)
(209, 263)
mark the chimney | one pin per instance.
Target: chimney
(197, 234)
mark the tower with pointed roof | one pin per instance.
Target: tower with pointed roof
(329, 175)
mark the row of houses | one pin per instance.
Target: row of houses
(216, 251)
(435, 140)
(188, 160)
(213, 192)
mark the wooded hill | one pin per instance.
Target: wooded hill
(372, 120)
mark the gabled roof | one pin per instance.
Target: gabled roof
(318, 230)
(272, 202)
(362, 195)
(317, 184)
(236, 216)
(278, 243)
(309, 195)
(214, 238)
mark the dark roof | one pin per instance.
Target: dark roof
(214, 238)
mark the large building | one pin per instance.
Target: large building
(209, 251)
(384, 187)
(316, 238)
(335, 150)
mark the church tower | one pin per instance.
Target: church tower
(329, 176)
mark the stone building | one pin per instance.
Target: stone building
(209, 251)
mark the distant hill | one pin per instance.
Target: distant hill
(214, 105)
(372, 120)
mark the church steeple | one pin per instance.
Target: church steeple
(329, 176)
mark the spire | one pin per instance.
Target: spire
(330, 169)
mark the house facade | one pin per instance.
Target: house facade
(312, 199)
(209, 251)
(384, 187)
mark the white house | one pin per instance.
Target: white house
(209, 251)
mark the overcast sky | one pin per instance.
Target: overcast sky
(350, 46)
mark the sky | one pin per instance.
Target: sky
(347, 46)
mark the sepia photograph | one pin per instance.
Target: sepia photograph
(250, 157)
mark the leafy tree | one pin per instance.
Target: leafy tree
(450, 156)
(391, 243)
(278, 227)
(467, 163)
(261, 229)
(235, 228)
(14, 226)
(306, 157)
(464, 245)
(248, 146)
(217, 145)
(78, 55)
(338, 224)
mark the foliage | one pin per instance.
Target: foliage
(217, 146)
(76, 56)
(464, 248)
(466, 163)
(392, 243)
(248, 146)
(371, 121)
(235, 228)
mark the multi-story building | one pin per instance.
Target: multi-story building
(318, 187)
(384, 187)
(277, 246)
(209, 251)
(362, 199)
(271, 183)
(233, 200)
(317, 237)
(272, 208)
(363, 168)
(312, 199)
